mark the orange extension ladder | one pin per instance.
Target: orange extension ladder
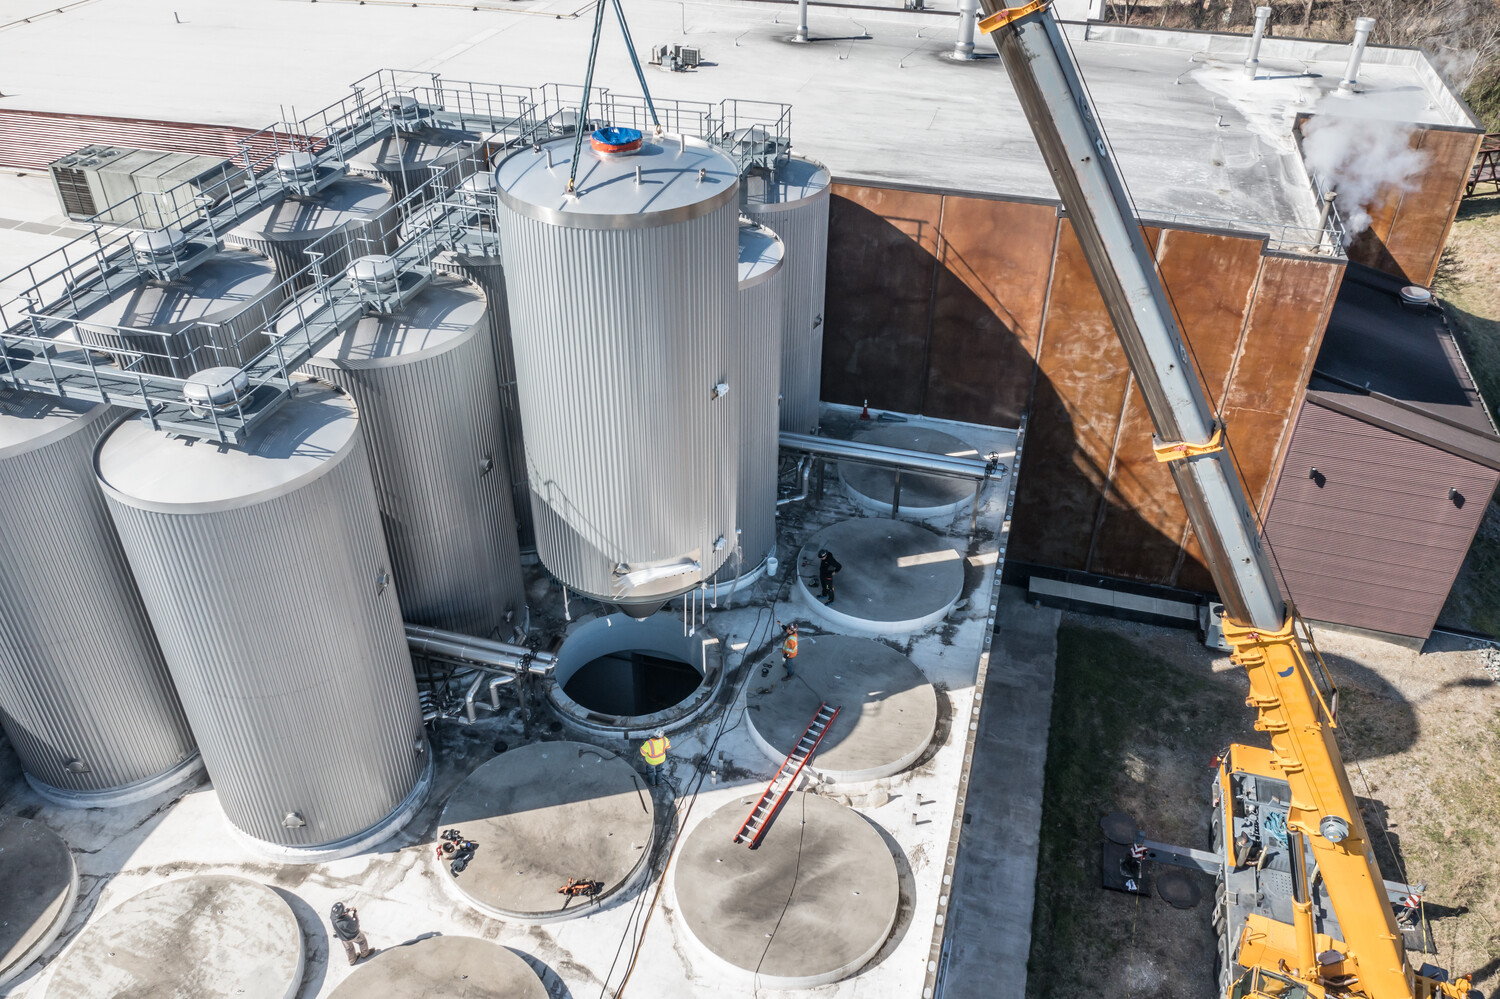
(760, 816)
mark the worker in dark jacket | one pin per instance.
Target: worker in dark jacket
(346, 925)
(827, 566)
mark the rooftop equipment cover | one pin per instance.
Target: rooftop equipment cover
(85, 695)
(622, 305)
(285, 228)
(266, 575)
(424, 380)
(794, 202)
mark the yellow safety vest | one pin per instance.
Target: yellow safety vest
(655, 751)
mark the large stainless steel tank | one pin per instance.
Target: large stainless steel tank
(85, 696)
(267, 579)
(285, 229)
(622, 305)
(793, 203)
(408, 159)
(215, 315)
(757, 371)
(424, 380)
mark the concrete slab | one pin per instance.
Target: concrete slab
(444, 968)
(922, 496)
(994, 880)
(543, 814)
(887, 709)
(808, 906)
(192, 938)
(41, 884)
(897, 577)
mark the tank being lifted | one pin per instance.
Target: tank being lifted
(85, 696)
(215, 315)
(793, 203)
(266, 575)
(424, 380)
(284, 229)
(757, 370)
(622, 304)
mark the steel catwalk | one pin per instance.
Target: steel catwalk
(757, 371)
(285, 229)
(266, 576)
(793, 203)
(424, 381)
(85, 695)
(622, 304)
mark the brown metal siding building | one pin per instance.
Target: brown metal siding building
(1391, 466)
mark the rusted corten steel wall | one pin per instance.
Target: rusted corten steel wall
(973, 309)
(1374, 541)
(33, 139)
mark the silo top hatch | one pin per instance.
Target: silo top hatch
(760, 254)
(795, 181)
(435, 320)
(670, 179)
(29, 420)
(347, 199)
(303, 438)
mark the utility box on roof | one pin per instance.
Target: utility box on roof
(104, 181)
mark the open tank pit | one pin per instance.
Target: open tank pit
(619, 675)
(923, 497)
(888, 711)
(543, 815)
(810, 905)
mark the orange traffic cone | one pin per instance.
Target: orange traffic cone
(864, 414)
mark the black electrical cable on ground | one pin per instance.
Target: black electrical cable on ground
(790, 892)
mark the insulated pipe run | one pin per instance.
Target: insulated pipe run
(1362, 28)
(483, 652)
(1252, 61)
(804, 470)
(968, 14)
(893, 457)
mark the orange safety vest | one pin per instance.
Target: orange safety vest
(655, 751)
(789, 647)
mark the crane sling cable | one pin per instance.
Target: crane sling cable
(588, 84)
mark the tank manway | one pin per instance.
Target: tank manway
(793, 202)
(284, 229)
(266, 575)
(622, 305)
(424, 380)
(85, 695)
(756, 369)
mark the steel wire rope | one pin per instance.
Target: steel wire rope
(1340, 734)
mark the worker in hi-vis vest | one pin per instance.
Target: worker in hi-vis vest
(788, 649)
(654, 750)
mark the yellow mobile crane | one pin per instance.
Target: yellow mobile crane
(1302, 907)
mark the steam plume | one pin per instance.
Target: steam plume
(1364, 160)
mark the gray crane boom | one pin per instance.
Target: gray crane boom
(1057, 106)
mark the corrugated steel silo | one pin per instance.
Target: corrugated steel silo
(622, 305)
(85, 696)
(267, 579)
(284, 229)
(212, 316)
(424, 380)
(409, 159)
(793, 203)
(757, 372)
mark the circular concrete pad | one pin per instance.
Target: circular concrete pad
(543, 814)
(897, 577)
(40, 885)
(444, 968)
(887, 709)
(831, 884)
(192, 938)
(874, 487)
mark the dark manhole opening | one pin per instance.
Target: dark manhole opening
(633, 682)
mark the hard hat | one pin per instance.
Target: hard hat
(660, 734)
(824, 553)
(338, 907)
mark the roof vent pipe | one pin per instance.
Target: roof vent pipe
(968, 13)
(1252, 61)
(1362, 28)
(801, 35)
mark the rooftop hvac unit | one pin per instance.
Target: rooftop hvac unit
(688, 56)
(673, 58)
(104, 181)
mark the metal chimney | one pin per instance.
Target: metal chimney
(968, 14)
(1252, 62)
(801, 35)
(1362, 28)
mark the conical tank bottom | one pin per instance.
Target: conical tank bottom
(639, 611)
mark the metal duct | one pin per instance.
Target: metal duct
(266, 576)
(85, 695)
(1362, 28)
(968, 15)
(1252, 61)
